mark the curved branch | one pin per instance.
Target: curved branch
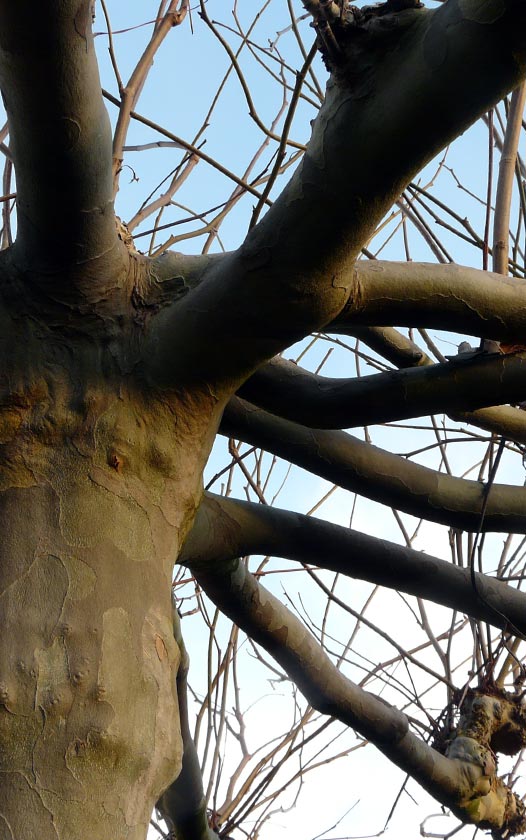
(228, 528)
(60, 138)
(456, 782)
(388, 343)
(402, 352)
(293, 393)
(450, 297)
(294, 273)
(362, 468)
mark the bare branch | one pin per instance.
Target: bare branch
(466, 782)
(354, 465)
(174, 16)
(51, 89)
(291, 392)
(226, 529)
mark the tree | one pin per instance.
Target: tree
(119, 368)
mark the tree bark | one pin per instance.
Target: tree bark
(99, 483)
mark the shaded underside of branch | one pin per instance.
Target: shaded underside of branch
(293, 393)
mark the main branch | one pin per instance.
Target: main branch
(294, 273)
(60, 141)
(378, 475)
(225, 529)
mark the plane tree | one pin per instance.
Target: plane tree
(119, 368)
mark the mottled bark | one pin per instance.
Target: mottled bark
(99, 482)
(99, 477)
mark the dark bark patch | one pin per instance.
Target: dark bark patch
(70, 131)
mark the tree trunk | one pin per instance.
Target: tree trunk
(98, 486)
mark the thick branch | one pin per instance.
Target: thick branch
(456, 782)
(294, 274)
(450, 297)
(226, 529)
(60, 136)
(402, 352)
(362, 468)
(499, 420)
(296, 394)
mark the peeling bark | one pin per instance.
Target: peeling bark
(99, 482)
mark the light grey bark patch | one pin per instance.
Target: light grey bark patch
(17, 800)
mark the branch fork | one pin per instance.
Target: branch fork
(336, 22)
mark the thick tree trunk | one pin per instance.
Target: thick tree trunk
(98, 485)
